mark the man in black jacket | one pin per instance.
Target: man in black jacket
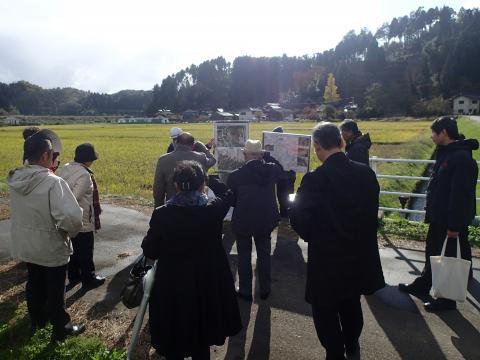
(255, 215)
(356, 144)
(340, 225)
(451, 204)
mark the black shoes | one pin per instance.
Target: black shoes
(68, 330)
(245, 297)
(440, 305)
(413, 289)
(95, 282)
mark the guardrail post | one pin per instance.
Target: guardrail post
(373, 163)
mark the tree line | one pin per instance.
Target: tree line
(409, 66)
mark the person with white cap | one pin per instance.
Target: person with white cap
(175, 132)
(44, 216)
(255, 215)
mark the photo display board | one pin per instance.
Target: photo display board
(230, 138)
(291, 150)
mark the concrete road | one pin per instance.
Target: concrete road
(396, 325)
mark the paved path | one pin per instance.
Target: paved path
(396, 326)
(475, 118)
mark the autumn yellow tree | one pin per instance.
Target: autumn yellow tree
(330, 94)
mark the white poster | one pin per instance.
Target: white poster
(230, 138)
(291, 150)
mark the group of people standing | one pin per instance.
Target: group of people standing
(194, 302)
(53, 223)
(335, 211)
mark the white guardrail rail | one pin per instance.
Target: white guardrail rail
(374, 161)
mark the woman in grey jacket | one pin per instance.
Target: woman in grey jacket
(80, 179)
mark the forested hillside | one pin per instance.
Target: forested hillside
(411, 65)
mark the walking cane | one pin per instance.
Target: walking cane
(148, 281)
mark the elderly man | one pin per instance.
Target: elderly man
(174, 134)
(451, 204)
(357, 145)
(163, 188)
(255, 215)
(44, 215)
(340, 227)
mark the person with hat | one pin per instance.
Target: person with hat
(44, 217)
(174, 134)
(255, 215)
(81, 181)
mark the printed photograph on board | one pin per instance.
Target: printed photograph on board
(291, 150)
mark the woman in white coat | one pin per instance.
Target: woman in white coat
(80, 179)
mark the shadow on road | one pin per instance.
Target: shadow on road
(112, 294)
(236, 344)
(409, 333)
(260, 348)
(13, 276)
(468, 336)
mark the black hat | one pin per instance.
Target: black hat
(278, 129)
(85, 153)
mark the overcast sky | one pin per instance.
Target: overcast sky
(110, 45)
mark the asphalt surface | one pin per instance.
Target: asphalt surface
(396, 325)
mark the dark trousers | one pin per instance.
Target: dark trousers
(45, 293)
(81, 265)
(433, 247)
(338, 325)
(284, 188)
(244, 248)
(202, 354)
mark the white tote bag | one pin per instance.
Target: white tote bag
(449, 275)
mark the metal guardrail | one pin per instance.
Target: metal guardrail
(374, 160)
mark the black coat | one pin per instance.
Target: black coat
(336, 211)
(256, 210)
(357, 149)
(193, 301)
(451, 189)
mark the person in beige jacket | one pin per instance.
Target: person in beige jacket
(163, 188)
(44, 216)
(80, 179)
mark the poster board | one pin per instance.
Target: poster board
(230, 138)
(291, 150)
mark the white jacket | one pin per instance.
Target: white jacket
(78, 178)
(44, 214)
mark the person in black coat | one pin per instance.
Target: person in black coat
(335, 210)
(357, 145)
(255, 215)
(451, 204)
(193, 303)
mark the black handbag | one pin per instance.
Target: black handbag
(132, 294)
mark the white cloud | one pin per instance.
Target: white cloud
(110, 45)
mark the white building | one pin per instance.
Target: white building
(466, 104)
